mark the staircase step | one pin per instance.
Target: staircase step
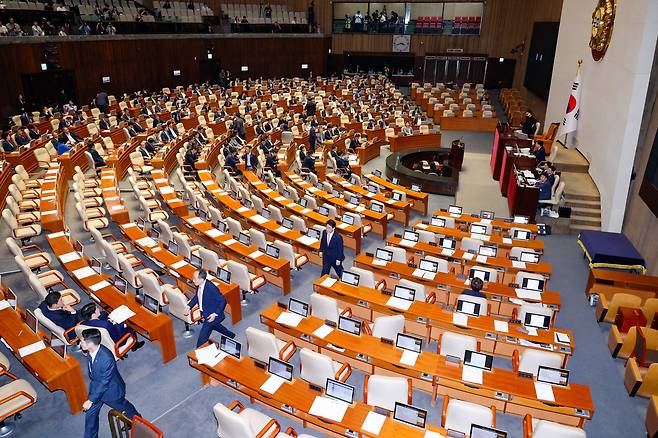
(586, 212)
(585, 220)
(575, 228)
(581, 197)
(575, 203)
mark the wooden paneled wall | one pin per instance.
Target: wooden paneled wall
(134, 63)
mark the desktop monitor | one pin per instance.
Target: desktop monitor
(489, 215)
(468, 307)
(454, 209)
(172, 247)
(78, 247)
(335, 192)
(303, 202)
(31, 321)
(347, 219)
(384, 254)
(529, 257)
(286, 193)
(350, 278)
(339, 391)
(377, 172)
(478, 229)
(524, 220)
(428, 266)
(244, 239)
(407, 342)
(141, 223)
(196, 261)
(58, 346)
(438, 221)
(224, 275)
(354, 200)
(372, 188)
(349, 325)
(396, 196)
(416, 188)
(272, 251)
(266, 214)
(410, 235)
(377, 207)
(477, 273)
(537, 321)
(202, 215)
(487, 250)
(521, 235)
(120, 283)
(447, 243)
(554, 376)
(478, 431)
(154, 234)
(246, 202)
(324, 211)
(230, 346)
(532, 283)
(410, 415)
(314, 234)
(298, 307)
(287, 223)
(404, 293)
(395, 180)
(151, 304)
(222, 227)
(478, 360)
(280, 368)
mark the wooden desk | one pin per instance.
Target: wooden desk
(476, 123)
(432, 373)
(112, 196)
(513, 160)
(183, 272)
(430, 321)
(522, 199)
(420, 200)
(275, 271)
(497, 224)
(167, 192)
(54, 191)
(244, 377)
(47, 366)
(621, 279)
(156, 328)
(415, 141)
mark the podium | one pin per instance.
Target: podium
(456, 157)
(521, 199)
(510, 161)
(504, 137)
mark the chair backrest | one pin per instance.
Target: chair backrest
(49, 324)
(151, 287)
(177, 303)
(530, 359)
(625, 300)
(275, 213)
(484, 305)
(316, 368)
(366, 277)
(426, 236)
(106, 339)
(324, 307)
(470, 244)
(184, 248)
(549, 429)
(261, 345)
(231, 424)
(384, 391)
(257, 238)
(417, 287)
(521, 275)
(455, 344)
(234, 226)
(399, 254)
(536, 308)
(165, 231)
(286, 251)
(298, 223)
(128, 272)
(388, 326)
(460, 415)
(209, 260)
(239, 274)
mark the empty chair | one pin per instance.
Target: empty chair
(275, 213)
(459, 415)
(236, 421)
(399, 254)
(316, 368)
(29, 182)
(257, 238)
(385, 391)
(388, 326)
(515, 252)
(210, 261)
(98, 223)
(234, 226)
(310, 202)
(138, 164)
(480, 301)
(130, 275)
(22, 217)
(419, 290)
(529, 360)
(333, 213)
(248, 282)
(262, 345)
(470, 244)
(287, 252)
(426, 236)
(43, 158)
(178, 308)
(442, 265)
(152, 287)
(34, 261)
(326, 308)
(184, 247)
(534, 428)
(15, 396)
(257, 203)
(24, 233)
(299, 224)
(455, 344)
(367, 279)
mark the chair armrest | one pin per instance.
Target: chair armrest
(527, 426)
(195, 314)
(479, 346)
(290, 431)
(410, 391)
(493, 413)
(251, 282)
(346, 312)
(129, 339)
(381, 285)
(287, 351)
(632, 377)
(430, 298)
(366, 328)
(15, 395)
(515, 361)
(344, 372)
(271, 429)
(235, 404)
(444, 410)
(32, 246)
(601, 308)
(615, 340)
(71, 340)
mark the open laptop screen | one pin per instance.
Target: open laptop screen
(349, 325)
(280, 368)
(230, 346)
(350, 278)
(384, 254)
(479, 360)
(339, 391)
(410, 415)
(554, 376)
(298, 307)
(478, 431)
(454, 209)
(537, 321)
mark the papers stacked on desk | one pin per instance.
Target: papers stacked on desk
(328, 408)
(360, 208)
(328, 282)
(272, 384)
(209, 355)
(69, 256)
(32, 348)
(483, 237)
(399, 303)
(448, 252)
(255, 254)
(544, 391)
(468, 256)
(166, 190)
(342, 225)
(421, 226)
(528, 294)
(229, 242)
(409, 358)
(423, 274)
(242, 209)
(507, 241)
(146, 241)
(282, 230)
(518, 265)
(280, 198)
(121, 314)
(195, 220)
(266, 191)
(258, 219)
(307, 240)
(472, 374)
(83, 272)
(528, 174)
(98, 286)
(213, 232)
(562, 338)
(481, 259)
(179, 264)
(323, 331)
(501, 326)
(305, 211)
(373, 423)
(290, 319)
(432, 434)
(460, 319)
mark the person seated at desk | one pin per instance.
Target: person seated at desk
(250, 159)
(191, 157)
(65, 122)
(104, 124)
(266, 144)
(232, 162)
(476, 288)
(61, 147)
(69, 137)
(146, 149)
(308, 164)
(33, 132)
(138, 128)
(21, 138)
(7, 145)
(92, 316)
(407, 130)
(539, 152)
(60, 314)
(272, 161)
(98, 160)
(544, 186)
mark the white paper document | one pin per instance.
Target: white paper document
(146, 241)
(373, 423)
(306, 240)
(407, 243)
(532, 331)
(431, 434)
(421, 226)
(255, 254)
(213, 232)
(258, 219)
(328, 282)
(501, 326)
(399, 303)
(120, 314)
(290, 319)
(481, 259)
(4, 304)
(562, 338)
(418, 273)
(528, 294)
(209, 355)
(166, 190)
(507, 241)
(242, 209)
(544, 391)
(472, 374)
(272, 384)
(98, 286)
(447, 252)
(179, 264)
(282, 230)
(518, 265)
(32, 348)
(280, 198)
(409, 358)
(342, 225)
(328, 408)
(468, 256)
(378, 262)
(229, 242)
(322, 331)
(83, 272)
(195, 220)
(69, 256)
(305, 211)
(460, 319)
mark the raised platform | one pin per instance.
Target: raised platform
(400, 165)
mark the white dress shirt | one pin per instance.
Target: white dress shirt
(200, 295)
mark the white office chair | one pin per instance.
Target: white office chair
(470, 244)
(536, 308)
(316, 368)
(287, 252)
(152, 287)
(419, 289)
(459, 415)
(234, 226)
(388, 326)
(23, 233)
(262, 345)
(248, 282)
(22, 217)
(236, 421)
(15, 397)
(275, 213)
(367, 279)
(130, 275)
(426, 236)
(34, 261)
(298, 224)
(326, 308)
(178, 306)
(210, 261)
(455, 344)
(399, 254)
(385, 391)
(184, 247)
(534, 428)
(529, 360)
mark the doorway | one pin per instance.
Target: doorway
(51, 87)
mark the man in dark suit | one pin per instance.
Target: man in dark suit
(98, 160)
(68, 137)
(104, 124)
(539, 151)
(250, 160)
(106, 387)
(331, 247)
(93, 316)
(308, 164)
(310, 108)
(211, 304)
(59, 313)
(21, 138)
(7, 146)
